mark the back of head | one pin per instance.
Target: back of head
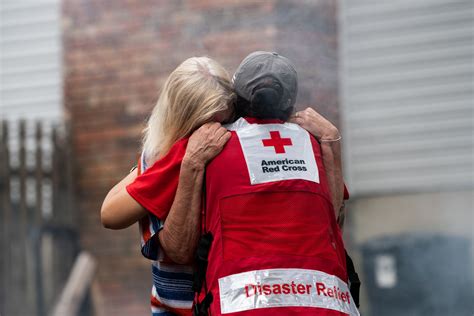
(266, 85)
(193, 94)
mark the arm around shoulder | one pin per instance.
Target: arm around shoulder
(180, 233)
(329, 138)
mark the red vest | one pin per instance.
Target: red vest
(277, 249)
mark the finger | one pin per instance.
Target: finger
(314, 113)
(220, 134)
(295, 115)
(296, 120)
(224, 139)
(197, 132)
(217, 145)
(202, 129)
(214, 126)
(221, 130)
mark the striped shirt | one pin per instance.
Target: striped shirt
(172, 292)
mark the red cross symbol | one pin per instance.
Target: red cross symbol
(277, 142)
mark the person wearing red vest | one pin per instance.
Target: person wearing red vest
(276, 247)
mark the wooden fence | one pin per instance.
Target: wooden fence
(38, 237)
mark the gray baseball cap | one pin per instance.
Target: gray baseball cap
(256, 70)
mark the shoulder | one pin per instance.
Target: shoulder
(176, 152)
(239, 124)
(243, 124)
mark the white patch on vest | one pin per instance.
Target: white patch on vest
(275, 152)
(284, 288)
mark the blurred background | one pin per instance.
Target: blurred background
(79, 78)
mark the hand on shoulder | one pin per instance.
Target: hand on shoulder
(205, 143)
(316, 124)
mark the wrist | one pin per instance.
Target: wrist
(193, 163)
(330, 140)
(330, 134)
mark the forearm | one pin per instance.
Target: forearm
(121, 185)
(181, 230)
(328, 136)
(119, 210)
(332, 160)
(180, 234)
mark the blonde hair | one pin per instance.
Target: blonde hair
(193, 93)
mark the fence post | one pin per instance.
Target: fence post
(69, 176)
(38, 218)
(5, 218)
(77, 286)
(56, 209)
(17, 287)
(27, 268)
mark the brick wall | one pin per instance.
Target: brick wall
(117, 54)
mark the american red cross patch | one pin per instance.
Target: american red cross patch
(275, 152)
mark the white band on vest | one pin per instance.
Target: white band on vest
(284, 288)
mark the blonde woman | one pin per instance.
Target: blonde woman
(195, 98)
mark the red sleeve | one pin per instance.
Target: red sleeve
(155, 189)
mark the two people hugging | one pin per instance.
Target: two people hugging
(239, 198)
